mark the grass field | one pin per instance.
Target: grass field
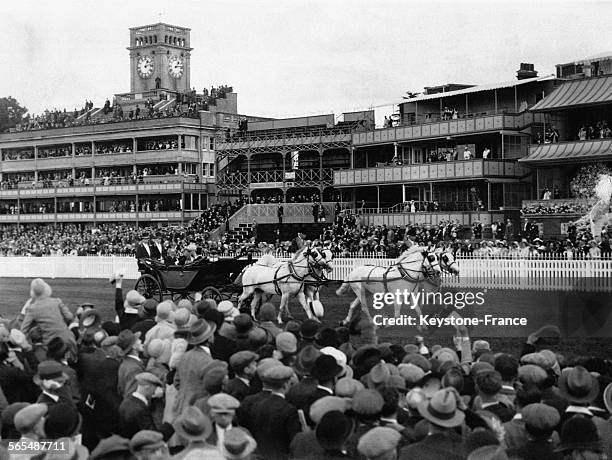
(585, 319)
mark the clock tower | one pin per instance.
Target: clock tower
(159, 58)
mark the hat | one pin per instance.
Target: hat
(200, 332)
(325, 368)
(378, 441)
(204, 305)
(338, 355)
(286, 343)
(267, 312)
(326, 404)
(367, 402)
(411, 348)
(49, 370)
(90, 318)
(57, 347)
(366, 357)
(346, 387)
(19, 339)
(579, 433)
(540, 417)
(442, 410)
(277, 374)
(29, 416)
(222, 403)
(531, 374)
(193, 425)
(480, 346)
(309, 329)
(146, 439)
(238, 361)
(378, 375)
(538, 359)
(164, 311)
(305, 359)
(397, 382)
(243, 324)
(227, 308)
(8, 414)
(333, 430)
(38, 288)
(214, 375)
(411, 373)
(146, 378)
(415, 397)
(156, 347)
(258, 337)
(62, 421)
(237, 444)
(185, 303)
(491, 452)
(417, 360)
(133, 300)
(578, 385)
(181, 317)
(265, 364)
(110, 445)
(481, 366)
(127, 339)
(446, 354)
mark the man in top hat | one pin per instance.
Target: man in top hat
(441, 441)
(244, 366)
(149, 445)
(30, 422)
(193, 428)
(131, 364)
(222, 411)
(268, 416)
(57, 350)
(145, 248)
(332, 433)
(135, 410)
(190, 370)
(52, 381)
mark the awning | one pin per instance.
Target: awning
(571, 151)
(575, 93)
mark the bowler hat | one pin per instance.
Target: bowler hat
(62, 420)
(200, 332)
(309, 329)
(333, 430)
(578, 385)
(56, 348)
(580, 433)
(325, 368)
(193, 425)
(127, 339)
(243, 324)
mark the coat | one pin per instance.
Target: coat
(238, 389)
(189, 378)
(17, 385)
(448, 446)
(272, 421)
(126, 375)
(53, 318)
(134, 415)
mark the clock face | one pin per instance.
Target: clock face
(145, 66)
(175, 67)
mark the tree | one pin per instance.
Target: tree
(584, 182)
(11, 113)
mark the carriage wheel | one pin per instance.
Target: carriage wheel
(213, 293)
(149, 287)
(184, 295)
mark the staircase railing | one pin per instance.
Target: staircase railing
(241, 214)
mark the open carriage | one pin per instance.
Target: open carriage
(215, 279)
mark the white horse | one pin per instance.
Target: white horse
(405, 276)
(287, 279)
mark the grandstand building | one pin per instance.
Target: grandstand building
(148, 157)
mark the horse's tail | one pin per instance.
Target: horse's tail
(343, 288)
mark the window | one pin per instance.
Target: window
(212, 143)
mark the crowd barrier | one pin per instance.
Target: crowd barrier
(586, 275)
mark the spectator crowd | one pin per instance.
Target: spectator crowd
(200, 380)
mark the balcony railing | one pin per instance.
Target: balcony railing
(92, 217)
(445, 170)
(560, 207)
(280, 138)
(474, 123)
(275, 179)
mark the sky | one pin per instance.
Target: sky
(295, 57)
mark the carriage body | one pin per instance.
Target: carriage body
(215, 279)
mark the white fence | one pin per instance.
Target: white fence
(539, 274)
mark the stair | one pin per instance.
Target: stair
(269, 233)
(240, 234)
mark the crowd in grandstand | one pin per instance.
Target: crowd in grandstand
(600, 130)
(201, 380)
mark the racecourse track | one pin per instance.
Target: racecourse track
(585, 319)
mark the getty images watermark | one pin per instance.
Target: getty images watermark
(458, 300)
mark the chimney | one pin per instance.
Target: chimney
(526, 71)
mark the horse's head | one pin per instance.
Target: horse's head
(430, 263)
(447, 261)
(321, 258)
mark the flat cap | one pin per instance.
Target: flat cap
(266, 364)
(367, 402)
(223, 403)
(146, 438)
(238, 361)
(411, 373)
(378, 441)
(29, 416)
(147, 378)
(417, 360)
(286, 342)
(113, 444)
(346, 387)
(277, 374)
(326, 404)
(540, 416)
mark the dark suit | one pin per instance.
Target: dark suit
(238, 389)
(222, 348)
(134, 415)
(535, 450)
(17, 385)
(502, 412)
(300, 394)
(143, 326)
(318, 393)
(272, 421)
(143, 253)
(448, 446)
(65, 397)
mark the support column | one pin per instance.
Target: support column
(321, 186)
(395, 149)
(495, 94)
(403, 194)
(36, 163)
(466, 104)
(502, 146)
(378, 198)
(489, 196)
(284, 156)
(403, 154)
(352, 157)
(431, 197)
(248, 157)
(367, 160)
